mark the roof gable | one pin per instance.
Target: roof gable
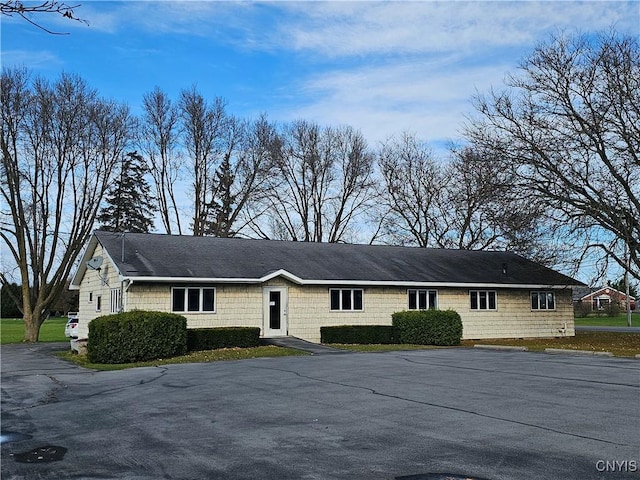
(89, 253)
(606, 290)
(155, 257)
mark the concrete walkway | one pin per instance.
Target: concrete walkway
(299, 344)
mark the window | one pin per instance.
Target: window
(346, 299)
(193, 299)
(116, 300)
(98, 303)
(423, 299)
(543, 301)
(483, 299)
(90, 297)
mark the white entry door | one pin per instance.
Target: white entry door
(274, 311)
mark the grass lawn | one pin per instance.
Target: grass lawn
(52, 330)
(620, 344)
(619, 320)
(192, 357)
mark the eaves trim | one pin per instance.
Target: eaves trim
(363, 283)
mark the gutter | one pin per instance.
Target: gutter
(364, 283)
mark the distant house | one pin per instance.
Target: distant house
(294, 288)
(600, 298)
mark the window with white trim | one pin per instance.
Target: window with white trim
(90, 297)
(98, 303)
(543, 300)
(422, 299)
(346, 299)
(483, 300)
(193, 299)
(116, 300)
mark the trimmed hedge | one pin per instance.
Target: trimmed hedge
(136, 336)
(428, 327)
(224, 337)
(358, 334)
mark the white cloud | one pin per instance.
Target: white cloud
(35, 60)
(429, 99)
(364, 28)
(382, 67)
(423, 60)
(203, 18)
(335, 29)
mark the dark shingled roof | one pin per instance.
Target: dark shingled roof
(157, 257)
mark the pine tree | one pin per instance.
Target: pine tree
(129, 205)
(219, 219)
(621, 286)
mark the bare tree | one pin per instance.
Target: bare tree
(322, 181)
(413, 183)
(241, 179)
(205, 130)
(570, 124)
(467, 202)
(158, 139)
(17, 7)
(60, 146)
(485, 209)
(354, 188)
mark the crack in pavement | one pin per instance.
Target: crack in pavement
(519, 374)
(446, 407)
(52, 397)
(163, 372)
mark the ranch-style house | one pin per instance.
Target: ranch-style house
(294, 288)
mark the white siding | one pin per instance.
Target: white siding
(98, 283)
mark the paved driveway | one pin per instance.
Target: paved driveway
(484, 414)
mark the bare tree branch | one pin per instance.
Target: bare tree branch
(321, 184)
(17, 7)
(60, 143)
(569, 124)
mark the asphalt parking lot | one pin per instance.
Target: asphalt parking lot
(467, 413)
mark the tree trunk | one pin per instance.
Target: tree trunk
(32, 324)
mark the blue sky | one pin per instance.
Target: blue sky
(381, 67)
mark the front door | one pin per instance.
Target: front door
(275, 311)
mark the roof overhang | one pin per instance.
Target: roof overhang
(362, 283)
(82, 266)
(86, 256)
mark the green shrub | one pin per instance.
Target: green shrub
(358, 334)
(224, 337)
(136, 336)
(428, 327)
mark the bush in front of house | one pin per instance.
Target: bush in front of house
(136, 336)
(358, 334)
(428, 327)
(581, 309)
(222, 337)
(612, 309)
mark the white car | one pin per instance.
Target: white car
(71, 328)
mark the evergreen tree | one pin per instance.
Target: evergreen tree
(621, 287)
(10, 296)
(129, 206)
(220, 216)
